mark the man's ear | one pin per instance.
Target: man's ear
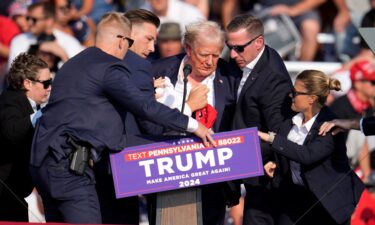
(259, 42)
(27, 84)
(188, 50)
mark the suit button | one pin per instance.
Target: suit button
(281, 148)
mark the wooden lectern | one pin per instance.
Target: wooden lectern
(179, 207)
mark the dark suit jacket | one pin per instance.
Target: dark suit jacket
(141, 76)
(324, 167)
(264, 100)
(226, 77)
(92, 93)
(16, 132)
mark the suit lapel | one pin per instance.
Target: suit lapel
(173, 68)
(254, 74)
(316, 125)
(26, 105)
(219, 98)
(285, 129)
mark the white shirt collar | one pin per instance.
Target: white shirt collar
(33, 104)
(252, 64)
(298, 120)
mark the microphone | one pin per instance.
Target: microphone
(187, 70)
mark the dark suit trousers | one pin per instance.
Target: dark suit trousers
(213, 204)
(301, 207)
(261, 205)
(114, 211)
(66, 197)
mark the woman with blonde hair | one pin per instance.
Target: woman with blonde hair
(317, 185)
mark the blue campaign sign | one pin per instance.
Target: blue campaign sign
(186, 162)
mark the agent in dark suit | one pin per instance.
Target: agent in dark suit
(262, 102)
(319, 186)
(144, 30)
(30, 85)
(93, 93)
(212, 81)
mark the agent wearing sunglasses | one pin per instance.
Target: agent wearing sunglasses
(318, 185)
(262, 101)
(141, 43)
(30, 85)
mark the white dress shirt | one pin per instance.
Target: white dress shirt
(172, 95)
(298, 134)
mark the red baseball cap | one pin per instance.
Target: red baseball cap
(362, 70)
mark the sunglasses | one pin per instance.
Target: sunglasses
(130, 41)
(34, 20)
(295, 93)
(46, 83)
(241, 48)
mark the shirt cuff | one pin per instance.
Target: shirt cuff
(192, 125)
(360, 125)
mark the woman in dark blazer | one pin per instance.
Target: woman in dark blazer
(29, 86)
(318, 186)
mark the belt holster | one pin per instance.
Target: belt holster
(79, 157)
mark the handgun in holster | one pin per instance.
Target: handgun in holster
(79, 158)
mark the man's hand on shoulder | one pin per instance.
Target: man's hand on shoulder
(338, 125)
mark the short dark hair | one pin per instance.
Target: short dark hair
(253, 25)
(49, 10)
(24, 66)
(137, 16)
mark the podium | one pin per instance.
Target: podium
(179, 207)
(170, 171)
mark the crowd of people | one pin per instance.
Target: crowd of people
(95, 75)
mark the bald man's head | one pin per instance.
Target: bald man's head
(110, 29)
(112, 23)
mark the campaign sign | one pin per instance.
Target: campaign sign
(186, 162)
